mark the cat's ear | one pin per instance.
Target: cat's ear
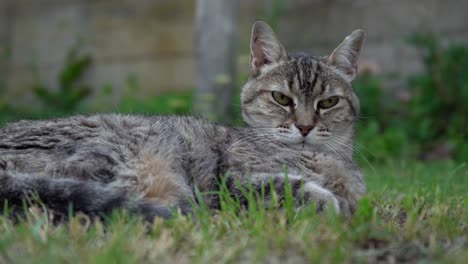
(265, 48)
(345, 57)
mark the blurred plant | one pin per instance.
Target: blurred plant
(165, 103)
(428, 124)
(369, 90)
(379, 145)
(70, 92)
(274, 10)
(438, 109)
(379, 136)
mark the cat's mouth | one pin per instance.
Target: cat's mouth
(295, 139)
(303, 145)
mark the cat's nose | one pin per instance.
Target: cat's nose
(305, 130)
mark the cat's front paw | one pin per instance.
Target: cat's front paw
(316, 161)
(321, 162)
(323, 198)
(312, 158)
(318, 157)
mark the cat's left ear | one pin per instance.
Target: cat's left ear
(345, 57)
(265, 48)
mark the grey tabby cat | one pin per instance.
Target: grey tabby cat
(300, 111)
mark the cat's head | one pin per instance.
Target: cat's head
(302, 100)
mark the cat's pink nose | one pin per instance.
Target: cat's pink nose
(305, 130)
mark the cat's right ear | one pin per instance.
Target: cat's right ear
(265, 48)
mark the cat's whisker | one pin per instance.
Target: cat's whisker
(361, 155)
(338, 145)
(335, 149)
(365, 117)
(346, 139)
(347, 145)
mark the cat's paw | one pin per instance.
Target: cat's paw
(311, 157)
(321, 162)
(323, 198)
(317, 160)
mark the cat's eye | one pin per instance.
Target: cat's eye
(281, 98)
(329, 102)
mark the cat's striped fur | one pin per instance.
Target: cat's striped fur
(150, 164)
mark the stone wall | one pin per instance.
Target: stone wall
(153, 40)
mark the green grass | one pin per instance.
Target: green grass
(413, 212)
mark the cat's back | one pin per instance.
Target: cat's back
(64, 136)
(96, 145)
(82, 127)
(47, 133)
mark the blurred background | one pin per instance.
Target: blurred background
(60, 57)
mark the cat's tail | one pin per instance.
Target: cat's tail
(64, 197)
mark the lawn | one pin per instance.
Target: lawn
(413, 212)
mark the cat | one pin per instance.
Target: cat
(300, 111)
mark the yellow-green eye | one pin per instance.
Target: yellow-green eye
(329, 102)
(281, 98)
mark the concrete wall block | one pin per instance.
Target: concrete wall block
(21, 81)
(37, 8)
(153, 76)
(45, 38)
(162, 11)
(449, 17)
(135, 29)
(112, 38)
(387, 20)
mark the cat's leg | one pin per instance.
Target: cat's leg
(343, 178)
(303, 191)
(153, 177)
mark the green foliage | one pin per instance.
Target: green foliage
(377, 145)
(438, 108)
(166, 103)
(379, 133)
(274, 12)
(369, 90)
(70, 93)
(433, 118)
